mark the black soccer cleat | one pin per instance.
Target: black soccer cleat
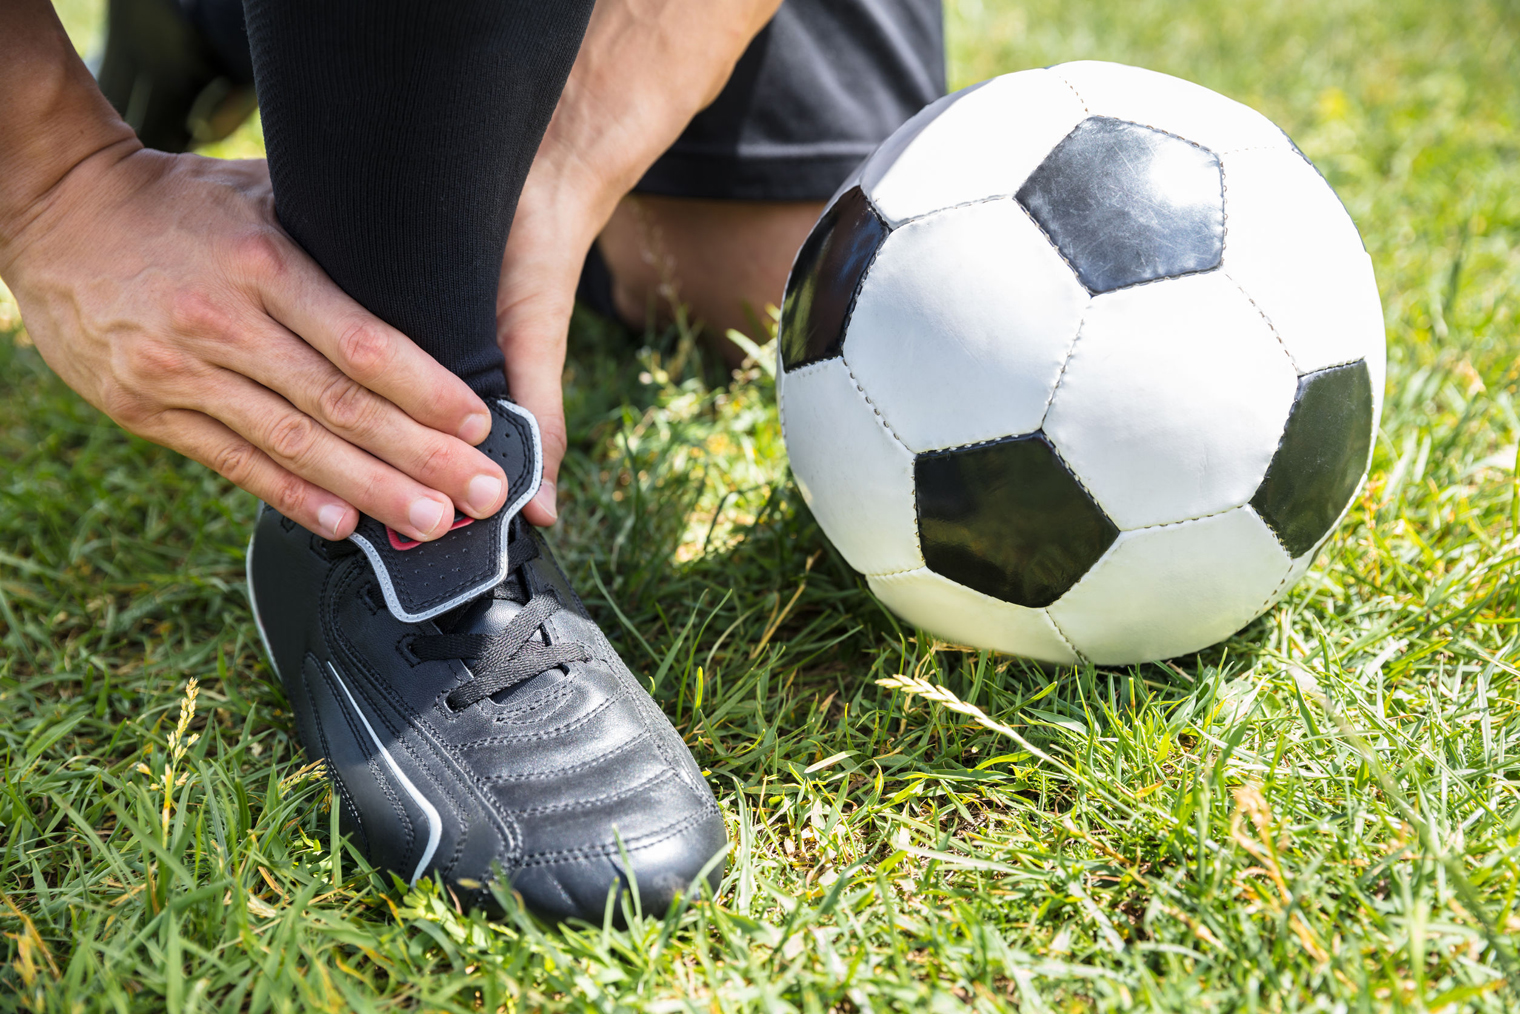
(475, 722)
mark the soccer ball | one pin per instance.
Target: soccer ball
(1084, 363)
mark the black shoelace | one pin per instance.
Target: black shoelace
(501, 661)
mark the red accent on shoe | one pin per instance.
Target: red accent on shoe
(401, 543)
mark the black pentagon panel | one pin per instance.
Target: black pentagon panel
(824, 278)
(1008, 519)
(1321, 456)
(1127, 204)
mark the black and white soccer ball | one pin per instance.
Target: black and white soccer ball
(1083, 363)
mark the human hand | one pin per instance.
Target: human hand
(644, 69)
(163, 290)
(555, 224)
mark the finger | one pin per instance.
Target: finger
(297, 293)
(476, 484)
(302, 445)
(535, 297)
(535, 375)
(203, 439)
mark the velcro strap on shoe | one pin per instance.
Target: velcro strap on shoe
(421, 580)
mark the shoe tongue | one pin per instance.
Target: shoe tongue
(421, 581)
(490, 613)
(487, 615)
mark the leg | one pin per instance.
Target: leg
(399, 135)
(717, 220)
(726, 260)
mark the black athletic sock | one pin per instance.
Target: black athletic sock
(399, 134)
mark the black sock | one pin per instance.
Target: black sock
(399, 134)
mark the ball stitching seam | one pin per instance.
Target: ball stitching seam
(1062, 635)
(1056, 247)
(876, 410)
(1062, 78)
(899, 573)
(881, 419)
(1071, 348)
(1266, 320)
(970, 203)
(1183, 521)
(1278, 590)
(1147, 126)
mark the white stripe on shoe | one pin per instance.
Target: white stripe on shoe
(430, 812)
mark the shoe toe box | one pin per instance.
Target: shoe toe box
(589, 772)
(578, 885)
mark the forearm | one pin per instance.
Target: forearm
(645, 69)
(52, 117)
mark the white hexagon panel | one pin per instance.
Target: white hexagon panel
(1178, 588)
(864, 502)
(1173, 401)
(961, 326)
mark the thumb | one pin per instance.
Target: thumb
(535, 355)
(539, 272)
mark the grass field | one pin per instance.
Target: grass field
(1319, 814)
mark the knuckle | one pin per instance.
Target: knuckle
(289, 496)
(194, 312)
(261, 254)
(126, 406)
(436, 461)
(553, 435)
(374, 496)
(347, 404)
(292, 437)
(364, 347)
(235, 462)
(144, 375)
(154, 361)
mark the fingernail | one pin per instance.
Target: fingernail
(329, 518)
(545, 499)
(482, 494)
(475, 428)
(425, 515)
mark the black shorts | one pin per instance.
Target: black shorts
(818, 89)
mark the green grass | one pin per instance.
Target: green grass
(1318, 815)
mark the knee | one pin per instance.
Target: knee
(725, 260)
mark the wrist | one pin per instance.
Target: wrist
(85, 174)
(53, 119)
(645, 68)
(581, 182)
